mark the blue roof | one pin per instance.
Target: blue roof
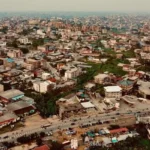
(10, 60)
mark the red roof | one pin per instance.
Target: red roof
(52, 79)
(44, 147)
(118, 130)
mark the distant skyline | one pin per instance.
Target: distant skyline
(76, 5)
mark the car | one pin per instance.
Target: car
(5, 137)
(72, 123)
(49, 133)
(117, 113)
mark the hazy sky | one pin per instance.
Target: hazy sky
(75, 5)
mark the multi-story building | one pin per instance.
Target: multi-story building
(113, 91)
(72, 73)
(14, 53)
(24, 40)
(41, 86)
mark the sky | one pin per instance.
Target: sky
(76, 5)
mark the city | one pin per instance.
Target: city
(74, 82)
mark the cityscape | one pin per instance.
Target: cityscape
(74, 80)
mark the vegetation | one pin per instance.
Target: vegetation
(24, 50)
(37, 42)
(4, 29)
(13, 44)
(26, 32)
(129, 54)
(111, 67)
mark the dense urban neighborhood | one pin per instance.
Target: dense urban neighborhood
(75, 83)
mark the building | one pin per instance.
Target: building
(45, 76)
(42, 86)
(66, 110)
(14, 53)
(21, 108)
(74, 144)
(72, 73)
(35, 63)
(8, 118)
(1, 88)
(24, 40)
(126, 85)
(102, 78)
(113, 91)
(9, 62)
(11, 95)
(43, 147)
(144, 89)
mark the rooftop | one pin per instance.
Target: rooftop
(112, 88)
(87, 105)
(11, 93)
(7, 116)
(17, 105)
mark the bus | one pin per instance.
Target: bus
(45, 126)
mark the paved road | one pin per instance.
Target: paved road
(12, 136)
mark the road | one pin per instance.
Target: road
(12, 136)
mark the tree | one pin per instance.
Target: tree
(24, 50)
(56, 146)
(39, 141)
(12, 44)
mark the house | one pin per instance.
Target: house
(101, 78)
(20, 108)
(126, 84)
(11, 95)
(113, 91)
(43, 147)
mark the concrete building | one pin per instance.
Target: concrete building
(101, 78)
(24, 40)
(45, 76)
(72, 73)
(42, 86)
(1, 88)
(113, 91)
(15, 53)
(144, 89)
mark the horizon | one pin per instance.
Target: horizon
(75, 6)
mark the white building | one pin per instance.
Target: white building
(74, 144)
(24, 40)
(40, 32)
(41, 86)
(72, 73)
(2, 44)
(113, 91)
(45, 76)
